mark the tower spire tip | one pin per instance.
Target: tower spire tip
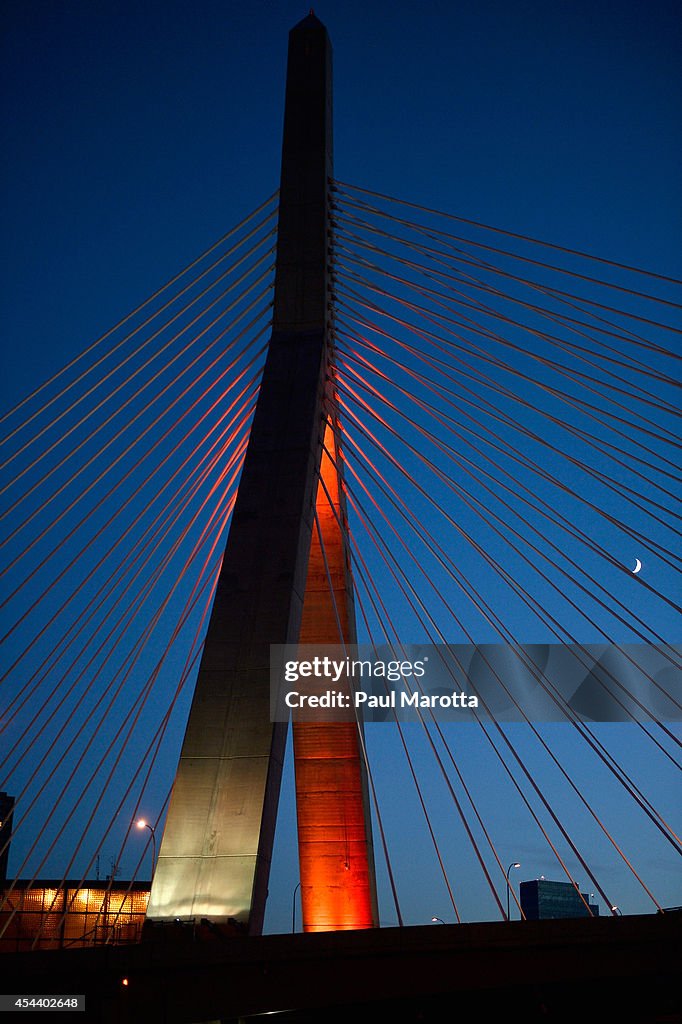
(309, 20)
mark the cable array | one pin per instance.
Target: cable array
(510, 434)
(505, 414)
(120, 475)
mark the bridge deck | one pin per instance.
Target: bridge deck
(624, 968)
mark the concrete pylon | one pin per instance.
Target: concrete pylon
(214, 858)
(338, 890)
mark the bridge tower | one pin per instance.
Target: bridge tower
(278, 584)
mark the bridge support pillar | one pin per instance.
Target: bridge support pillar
(334, 829)
(214, 858)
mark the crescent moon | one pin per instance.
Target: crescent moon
(638, 566)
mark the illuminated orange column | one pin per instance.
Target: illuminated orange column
(334, 834)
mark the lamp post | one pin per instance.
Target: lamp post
(514, 865)
(293, 908)
(141, 823)
(438, 920)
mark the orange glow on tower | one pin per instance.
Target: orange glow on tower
(334, 837)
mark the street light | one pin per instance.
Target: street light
(514, 865)
(438, 920)
(293, 908)
(141, 823)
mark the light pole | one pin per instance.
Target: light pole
(514, 865)
(438, 920)
(141, 823)
(293, 908)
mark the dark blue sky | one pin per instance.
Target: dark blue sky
(134, 134)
